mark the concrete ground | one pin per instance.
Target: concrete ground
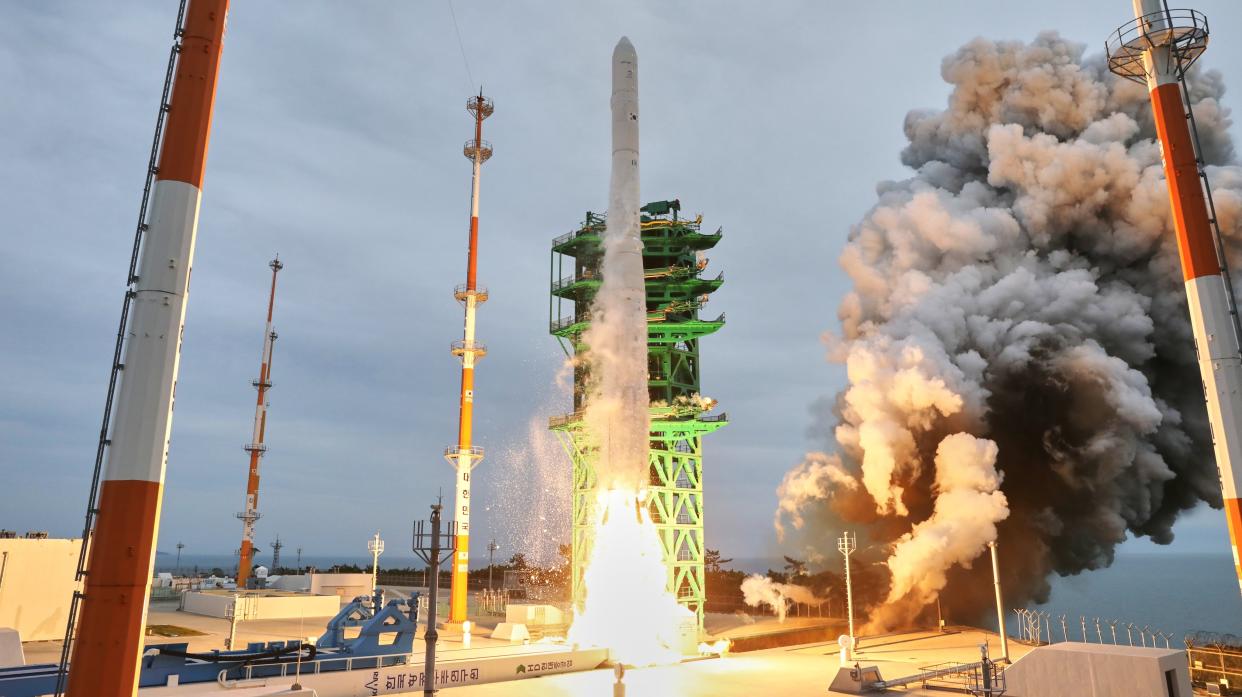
(790, 671)
(215, 630)
(729, 626)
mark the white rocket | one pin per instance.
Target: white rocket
(619, 339)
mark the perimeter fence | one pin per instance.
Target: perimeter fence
(1039, 627)
(1215, 662)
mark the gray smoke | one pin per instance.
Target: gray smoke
(1017, 344)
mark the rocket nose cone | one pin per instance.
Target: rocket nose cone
(624, 49)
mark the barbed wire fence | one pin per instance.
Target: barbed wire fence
(1041, 627)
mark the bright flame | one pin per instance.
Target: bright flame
(719, 647)
(627, 605)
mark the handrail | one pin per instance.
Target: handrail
(1185, 31)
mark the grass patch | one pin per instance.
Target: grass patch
(171, 630)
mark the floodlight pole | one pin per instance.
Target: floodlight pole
(1000, 606)
(376, 547)
(491, 561)
(846, 544)
(428, 548)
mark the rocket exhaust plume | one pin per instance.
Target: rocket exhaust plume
(1019, 356)
(627, 606)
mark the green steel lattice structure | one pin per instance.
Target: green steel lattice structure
(677, 288)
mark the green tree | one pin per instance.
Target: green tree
(795, 567)
(713, 562)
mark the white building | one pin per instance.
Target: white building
(36, 585)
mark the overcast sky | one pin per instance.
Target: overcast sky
(337, 143)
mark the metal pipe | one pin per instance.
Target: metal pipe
(924, 676)
(110, 636)
(1000, 611)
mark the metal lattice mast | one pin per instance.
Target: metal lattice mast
(276, 554)
(464, 456)
(256, 447)
(847, 544)
(676, 289)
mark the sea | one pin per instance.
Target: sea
(1176, 593)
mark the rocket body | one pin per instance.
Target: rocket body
(625, 118)
(1215, 331)
(618, 338)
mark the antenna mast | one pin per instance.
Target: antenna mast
(465, 455)
(256, 447)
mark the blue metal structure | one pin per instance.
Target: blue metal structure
(371, 649)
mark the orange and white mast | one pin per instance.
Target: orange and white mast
(1156, 48)
(256, 447)
(110, 632)
(465, 455)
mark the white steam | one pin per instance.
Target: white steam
(968, 507)
(760, 590)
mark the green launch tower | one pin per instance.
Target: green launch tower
(677, 288)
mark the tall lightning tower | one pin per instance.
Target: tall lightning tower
(465, 455)
(1155, 49)
(104, 640)
(256, 447)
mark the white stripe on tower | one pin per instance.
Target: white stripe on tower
(1215, 331)
(464, 455)
(110, 634)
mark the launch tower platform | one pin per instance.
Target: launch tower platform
(677, 288)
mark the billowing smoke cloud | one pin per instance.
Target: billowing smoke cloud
(1017, 344)
(760, 590)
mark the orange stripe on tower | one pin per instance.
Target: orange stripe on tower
(183, 156)
(471, 264)
(112, 624)
(1190, 216)
(465, 422)
(1233, 514)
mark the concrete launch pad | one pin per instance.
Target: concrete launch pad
(805, 669)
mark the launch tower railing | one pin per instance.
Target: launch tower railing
(1185, 32)
(66, 651)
